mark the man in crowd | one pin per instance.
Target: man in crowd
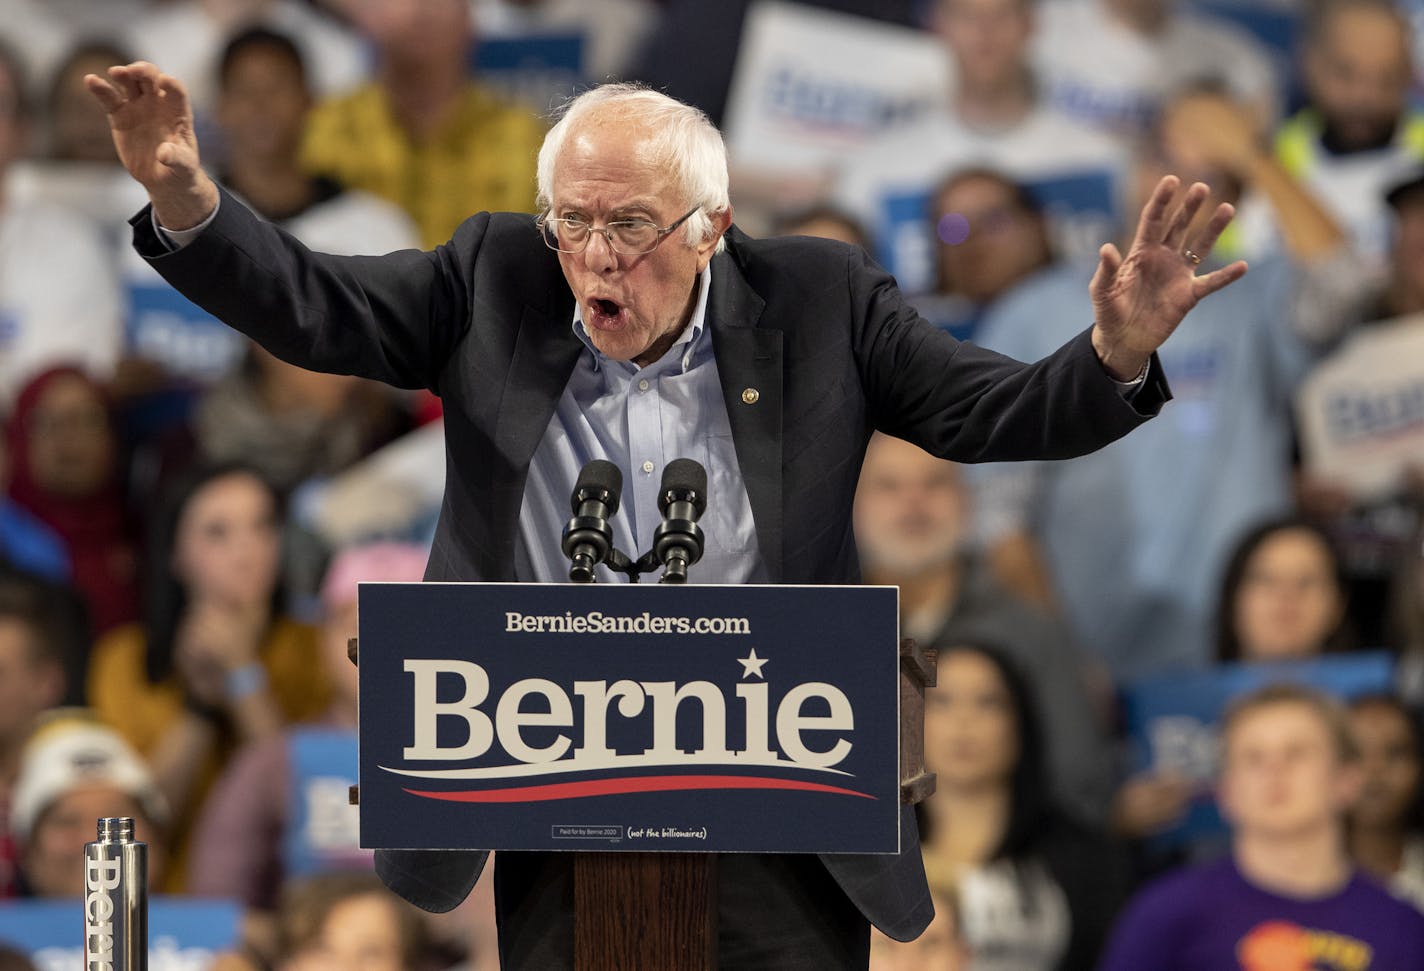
(913, 529)
(422, 134)
(1160, 510)
(1288, 896)
(631, 322)
(1358, 135)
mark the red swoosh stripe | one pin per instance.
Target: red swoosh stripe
(610, 787)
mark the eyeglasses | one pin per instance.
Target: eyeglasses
(628, 237)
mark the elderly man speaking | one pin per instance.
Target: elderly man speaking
(631, 321)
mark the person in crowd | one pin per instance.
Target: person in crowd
(1115, 64)
(1358, 134)
(1386, 822)
(77, 128)
(913, 527)
(1157, 513)
(249, 838)
(1283, 596)
(59, 300)
(997, 118)
(32, 680)
(341, 921)
(1034, 888)
(940, 948)
(215, 662)
(65, 470)
(423, 135)
(26, 543)
(990, 235)
(823, 222)
(75, 771)
(1377, 534)
(264, 99)
(190, 34)
(1288, 892)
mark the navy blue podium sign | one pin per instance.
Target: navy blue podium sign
(629, 717)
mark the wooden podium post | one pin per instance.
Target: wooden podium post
(645, 910)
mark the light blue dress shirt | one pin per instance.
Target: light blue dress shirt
(640, 419)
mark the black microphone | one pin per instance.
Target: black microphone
(588, 538)
(677, 542)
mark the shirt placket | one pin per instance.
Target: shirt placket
(645, 452)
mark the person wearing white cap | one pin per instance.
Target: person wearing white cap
(75, 771)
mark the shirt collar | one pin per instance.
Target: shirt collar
(689, 340)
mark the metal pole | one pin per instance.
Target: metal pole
(116, 899)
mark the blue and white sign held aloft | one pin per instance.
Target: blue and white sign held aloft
(629, 717)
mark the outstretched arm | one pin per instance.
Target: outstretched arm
(152, 124)
(1139, 299)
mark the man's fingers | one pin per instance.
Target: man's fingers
(1214, 228)
(108, 96)
(1109, 260)
(1205, 286)
(1152, 225)
(1185, 215)
(136, 79)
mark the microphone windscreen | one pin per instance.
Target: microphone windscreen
(687, 477)
(599, 476)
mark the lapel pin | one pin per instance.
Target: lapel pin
(750, 396)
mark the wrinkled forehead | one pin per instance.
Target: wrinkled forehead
(611, 159)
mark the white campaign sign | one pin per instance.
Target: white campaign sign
(1361, 413)
(810, 85)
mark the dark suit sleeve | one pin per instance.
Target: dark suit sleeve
(963, 402)
(393, 318)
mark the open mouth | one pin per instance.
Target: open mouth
(606, 314)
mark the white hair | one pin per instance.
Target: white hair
(679, 136)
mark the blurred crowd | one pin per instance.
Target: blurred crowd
(1185, 672)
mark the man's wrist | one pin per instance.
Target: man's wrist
(1122, 365)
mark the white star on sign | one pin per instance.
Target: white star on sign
(752, 665)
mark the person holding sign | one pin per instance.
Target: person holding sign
(632, 322)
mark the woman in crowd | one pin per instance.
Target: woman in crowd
(1034, 888)
(1386, 829)
(216, 662)
(1283, 596)
(64, 471)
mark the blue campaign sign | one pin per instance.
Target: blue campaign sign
(1172, 719)
(629, 717)
(183, 935)
(164, 326)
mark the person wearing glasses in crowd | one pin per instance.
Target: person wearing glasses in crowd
(632, 322)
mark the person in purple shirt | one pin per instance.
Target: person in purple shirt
(1288, 897)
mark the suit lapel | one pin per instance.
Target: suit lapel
(545, 353)
(749, 367)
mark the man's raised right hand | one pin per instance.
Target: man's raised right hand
(152, 124)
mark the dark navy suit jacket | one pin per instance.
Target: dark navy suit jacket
(818, 330)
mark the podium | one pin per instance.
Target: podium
(644, 729)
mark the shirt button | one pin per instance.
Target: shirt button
(643, 385)
(647, 466)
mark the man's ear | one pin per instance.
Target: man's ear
(721, 222)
